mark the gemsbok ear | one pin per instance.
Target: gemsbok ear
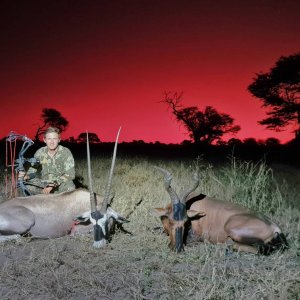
(160, 211)
(113, 214)
(194, 213)
(83, 217)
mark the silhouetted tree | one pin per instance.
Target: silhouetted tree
(51, 117)
(139, 142)
(204, 126)
(251, 142)
(71, 139)
(272, 142)
(186, 142)
(234, 142)
(279, 89)
(93, 138)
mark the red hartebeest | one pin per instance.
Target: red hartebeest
(201, 218)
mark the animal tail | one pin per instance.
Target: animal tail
(279, 242)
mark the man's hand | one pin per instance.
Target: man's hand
(48, 188)
(22, 175)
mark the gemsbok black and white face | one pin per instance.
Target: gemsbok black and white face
(103, 224)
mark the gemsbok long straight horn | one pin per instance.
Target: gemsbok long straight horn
(109, 182)
(95, 214)
(101, 218)
(93, 199)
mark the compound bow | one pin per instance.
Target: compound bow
(21, 160)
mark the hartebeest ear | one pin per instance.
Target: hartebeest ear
(194, 213)
(160, 211)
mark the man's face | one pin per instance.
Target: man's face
(52, 139)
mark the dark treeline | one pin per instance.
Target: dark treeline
(251, 151)
(287, 154)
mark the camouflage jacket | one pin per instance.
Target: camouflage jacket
(57, 169)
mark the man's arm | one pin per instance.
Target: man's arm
(69, 168)
(31, 172)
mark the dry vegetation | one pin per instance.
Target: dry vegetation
(140, 266)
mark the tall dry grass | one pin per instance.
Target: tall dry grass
(140, 266)
(135, 179)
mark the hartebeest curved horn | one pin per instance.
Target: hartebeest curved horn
(93, 199)
(189, 191)
(109, 182)
(168, 178)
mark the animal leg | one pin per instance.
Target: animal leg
(73, 228)
(248, 233)
(192, 238)
(4, 238)
(80, 229)
(244, 248)
(16, 220)
(233, 245)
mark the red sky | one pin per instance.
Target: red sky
(103, 64)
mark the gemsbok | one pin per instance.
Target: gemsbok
(201, 218)
(54, 215)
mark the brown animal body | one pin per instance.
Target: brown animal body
(201, 218)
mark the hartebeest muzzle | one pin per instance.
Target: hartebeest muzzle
(179, 216)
